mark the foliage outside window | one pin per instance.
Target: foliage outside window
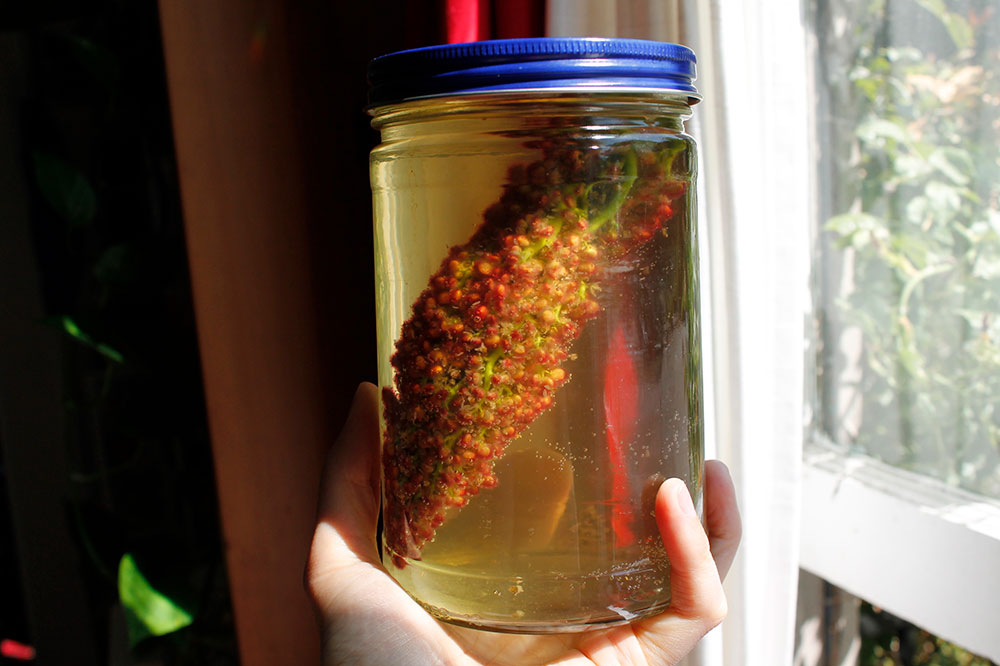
(910, 284)
(887, 641)
(908, 269)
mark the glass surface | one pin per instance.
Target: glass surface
(538, 352)
(908, 276)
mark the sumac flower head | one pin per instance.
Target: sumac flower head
(481, 356)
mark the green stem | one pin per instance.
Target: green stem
(630, 175)
(491, 361)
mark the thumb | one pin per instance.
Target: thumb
(695, 587)
(697, 600)
(349, 489)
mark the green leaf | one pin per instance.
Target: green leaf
(70, 328)
(148, 612)
(959, 30)
(915, 280)
(917, 210)
(987, 267)
(899, 55)
(945, 200)
(65, 189)
(914, 246)
(911, 167)
(869, 87)
(878, 130)
(957, 26)
(955, 164)
(858, 229)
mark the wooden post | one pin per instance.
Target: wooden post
(267, 101)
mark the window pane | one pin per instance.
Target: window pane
(908, 274)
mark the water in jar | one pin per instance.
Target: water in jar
(564, 536)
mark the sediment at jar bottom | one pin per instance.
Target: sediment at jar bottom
(482, 355)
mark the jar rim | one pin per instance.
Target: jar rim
(578, 64)
(544, 101)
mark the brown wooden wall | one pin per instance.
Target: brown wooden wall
(267, 100)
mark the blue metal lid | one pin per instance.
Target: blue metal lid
(532, 64)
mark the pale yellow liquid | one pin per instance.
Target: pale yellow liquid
(540, 552)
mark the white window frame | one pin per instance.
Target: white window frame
(913, 545)
(920, 549)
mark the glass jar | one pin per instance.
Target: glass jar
(538, 325)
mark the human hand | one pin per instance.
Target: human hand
(366, 618)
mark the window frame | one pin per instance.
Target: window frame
(859, 518)
(906, 542)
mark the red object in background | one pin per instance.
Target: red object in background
(474, 20)
(518, 18)
(467, 20)
(17, 651)
(621, 409)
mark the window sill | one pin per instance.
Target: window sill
(922, 550)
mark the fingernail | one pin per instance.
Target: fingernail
(684, 500)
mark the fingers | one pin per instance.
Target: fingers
(350, 484)
(695, 586)
(365, 617)
(349, 496)
(697, 601)
(722, 515)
